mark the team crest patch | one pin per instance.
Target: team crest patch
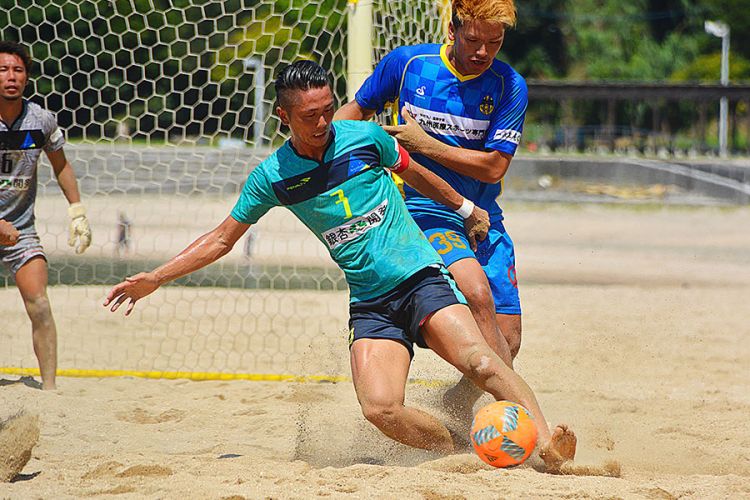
(487, 106)
(356, 227)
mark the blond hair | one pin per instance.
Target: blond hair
(503, 11)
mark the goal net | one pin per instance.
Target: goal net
(166, 107)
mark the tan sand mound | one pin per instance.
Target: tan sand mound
(18, 436)
(610, 468)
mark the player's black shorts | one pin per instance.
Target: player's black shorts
(399, 313)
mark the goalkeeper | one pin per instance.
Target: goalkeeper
(462, 113)
(25, 131)
(334, 178)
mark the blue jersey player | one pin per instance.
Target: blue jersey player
(335, 179)
(462, 113)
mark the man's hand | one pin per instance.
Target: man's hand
(8, 233)
(79, 227)
(411, 136)
(477, 226)
(133, 288)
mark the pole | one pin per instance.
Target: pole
(445, 16)
(721, 29)
(255, 65)
(358, 45)
(723, 104)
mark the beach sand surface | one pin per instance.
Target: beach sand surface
(636, 328)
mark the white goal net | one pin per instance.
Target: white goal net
(167, 106)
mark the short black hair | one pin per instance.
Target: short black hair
(300, 75)
(15, 48)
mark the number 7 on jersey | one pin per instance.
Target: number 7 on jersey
(343, 199)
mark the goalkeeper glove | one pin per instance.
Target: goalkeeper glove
(79, 227)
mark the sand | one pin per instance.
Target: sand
(635, 333)
(19, 434)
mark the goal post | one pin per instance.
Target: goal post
(359, 48)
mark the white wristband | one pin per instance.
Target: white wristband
(466, 208)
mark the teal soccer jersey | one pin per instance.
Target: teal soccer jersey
(483, 112)
(349, 202)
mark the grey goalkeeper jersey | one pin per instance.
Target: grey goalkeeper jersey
(21, 144)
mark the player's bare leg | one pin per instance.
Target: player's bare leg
(452, 334)
(380, 368)
(31, 280)
(460, 398)
(509, 326)
(472, 281)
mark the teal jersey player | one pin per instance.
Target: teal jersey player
(349, 202)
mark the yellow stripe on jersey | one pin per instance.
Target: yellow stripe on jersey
(446, 61)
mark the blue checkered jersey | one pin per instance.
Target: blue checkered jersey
(481, 112)
(349, 202)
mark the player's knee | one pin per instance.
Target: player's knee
(479, 297)
(38, 309)
(382, 415)
(481, 365)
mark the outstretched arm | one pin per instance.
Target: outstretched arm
(426, 183)
(207, 249)
(484, 166)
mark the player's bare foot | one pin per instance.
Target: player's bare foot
(561, 448)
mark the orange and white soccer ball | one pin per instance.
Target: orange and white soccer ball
(503, 434)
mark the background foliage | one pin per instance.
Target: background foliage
(175, 68)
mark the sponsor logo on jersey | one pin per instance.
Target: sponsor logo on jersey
(448, 124)
(509, 135)
(487, 106)
(18, 140)
(421, 91)
(28, 142)
(301, 182)
(15, 183)
(356, 227)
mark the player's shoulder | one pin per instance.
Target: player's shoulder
(269, 167)
(351, 135)
(507, 72)
(361, 128)
(408, 52)
(36, 110)
(36, 115)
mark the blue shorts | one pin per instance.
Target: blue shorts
(495, 254)
(399, 313)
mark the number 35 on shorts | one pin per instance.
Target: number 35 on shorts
(446, 241)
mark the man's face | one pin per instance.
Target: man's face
(13, 77)
(476, 43)
(308, 113)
